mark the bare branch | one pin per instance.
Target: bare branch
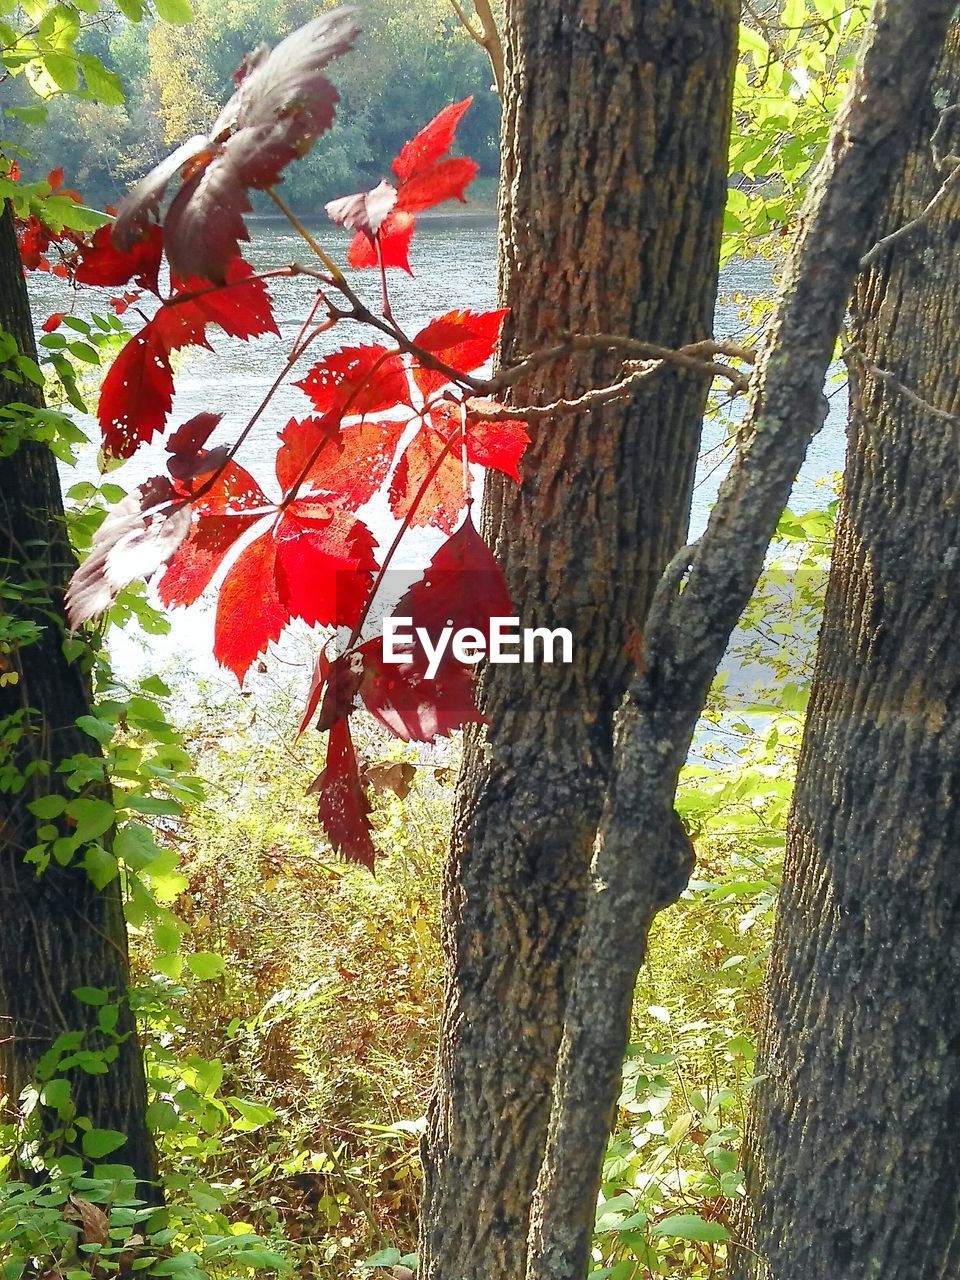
(692, 354)
(854, 359)
(908, 228)
(488, 37)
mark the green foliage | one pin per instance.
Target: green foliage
(796, 59)
(673, 1171)
(289, 1005)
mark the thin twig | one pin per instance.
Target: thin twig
(853, 357)
(909, 227)
(690, 354)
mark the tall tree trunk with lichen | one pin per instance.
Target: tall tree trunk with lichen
(853, 1166)
(58, 932)
(615, 131)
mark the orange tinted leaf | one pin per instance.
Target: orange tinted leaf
(249, 612)
(465, 340)
(444, 497)
(352, 464)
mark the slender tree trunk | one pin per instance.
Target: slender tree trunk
(57, 931)
(615, 131)
(854, 1167)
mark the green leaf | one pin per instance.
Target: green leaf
(93, 817)
(62, 68)
(152, 805)
(162, 1117)
(206, 965)
(136, 846)
(385, 1258)
(171, 966)
(101, 1142)
(56, 1094)
(103, 84)
(102, 730)
(47, 806)
(95, 996)
(100, 866)
(689, 1226)
(174, 10)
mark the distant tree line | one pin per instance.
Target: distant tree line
(412, 61)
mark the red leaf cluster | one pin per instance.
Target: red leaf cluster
(282, 104)
(462, 588)
(137, 393)
(383, 219)
(383, 418)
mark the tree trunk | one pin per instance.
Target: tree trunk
(854, 1168)
(58, 931)
(615, 132)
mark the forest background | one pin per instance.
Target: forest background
(290, 1003)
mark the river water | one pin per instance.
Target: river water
(454, 258)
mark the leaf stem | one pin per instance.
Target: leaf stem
(301, 230)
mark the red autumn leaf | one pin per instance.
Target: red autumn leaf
(283, 103)
(344, 808)
(395, 236)
(465, 340)
(138, 535)
(355, 381)
(444, 497)
(316, 563)
(489, 444)
(191, 436)
(249, 611)
(137, 393)
(220, 522)
(353, 463)
(317, 689)
(53, 321)
(34, 241)
(55, 179)
(447, 180)
(463, 587)
(412, 707)
(341, 684)
(426, 177)
(100, 262)
(241, 306)
(365, 211)
(325, 563)
(194, 566)
(431, 143)
(120, 304)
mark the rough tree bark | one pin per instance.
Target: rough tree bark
(57, 931)
(644, 856)
(615, 131)
(854, 1168)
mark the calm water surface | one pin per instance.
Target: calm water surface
(455, 262)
